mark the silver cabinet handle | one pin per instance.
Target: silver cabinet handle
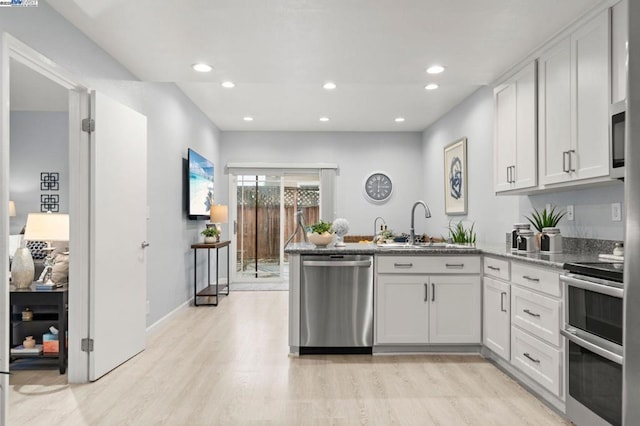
(571, 151)
(144, 244)
(509, 174)
(513, 174)
(493, 268)
(502, 295)
(433, 292)
(403, 265)
(526, 355)
(454, 265)
(526, 311)
(426, 292)
(527, 277)
(565, 154)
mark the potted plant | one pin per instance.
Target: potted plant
(459, 234)
(211, 235)
(320, 233)
(387, 235)
(545, 219)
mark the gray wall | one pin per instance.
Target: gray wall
(495, 215)
(39, 143)
(174, 124)
(357, 154)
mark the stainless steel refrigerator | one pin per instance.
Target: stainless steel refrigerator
(631, 366)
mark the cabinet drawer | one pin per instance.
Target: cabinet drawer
(543, 280)
(539, 315)
(494, 267)
(429, 264)
(541, 362)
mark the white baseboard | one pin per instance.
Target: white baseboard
(156, 325)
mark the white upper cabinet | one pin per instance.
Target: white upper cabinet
(573, 96)
(515, 131)
(619, 31)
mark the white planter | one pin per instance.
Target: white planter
(210, 240)
(320, 240)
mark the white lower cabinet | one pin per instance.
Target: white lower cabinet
(454, 315)
(418, 308)
(540, 361)
(402, 309)
(497, 317)
(522, 319)
(536, 314)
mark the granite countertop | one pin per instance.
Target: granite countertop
(542, 259)
(538, 258)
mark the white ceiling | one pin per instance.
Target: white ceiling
(280, 53)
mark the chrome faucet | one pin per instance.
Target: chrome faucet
(427, 214)
(375, 227)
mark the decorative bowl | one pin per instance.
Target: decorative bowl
(320, 240)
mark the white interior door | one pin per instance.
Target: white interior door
(117, 306)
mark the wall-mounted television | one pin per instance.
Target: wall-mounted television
(200, 185)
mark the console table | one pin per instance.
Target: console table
(49, 309)
(212, 289)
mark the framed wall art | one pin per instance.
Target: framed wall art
(455, 178)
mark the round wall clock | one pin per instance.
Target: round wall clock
(378, 187)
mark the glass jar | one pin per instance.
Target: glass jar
(27, 315)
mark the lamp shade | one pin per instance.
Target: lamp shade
(47, 227)
(12, 209)
(219, 214)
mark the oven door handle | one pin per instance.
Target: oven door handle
(605, 353)
(591, 286)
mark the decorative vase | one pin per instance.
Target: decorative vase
(209, 240)
(22, 268)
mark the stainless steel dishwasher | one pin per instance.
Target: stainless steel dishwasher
(336, 304)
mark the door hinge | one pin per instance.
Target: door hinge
(88, 125)
(86, 345)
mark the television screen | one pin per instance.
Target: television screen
(200, 185)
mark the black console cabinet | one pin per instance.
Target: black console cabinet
(49, 309)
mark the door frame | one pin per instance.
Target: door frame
(14, 49)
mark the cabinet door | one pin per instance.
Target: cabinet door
(454, 315)
(619, 31)
(554, 112)
(525, 175)
(515, 131)
(497, 319)
(590, 50)
(504, 101)
(402, 309)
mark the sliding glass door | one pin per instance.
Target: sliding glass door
(258, 206)
(266, 208)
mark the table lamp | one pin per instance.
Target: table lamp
(219, 214)
(47, 227)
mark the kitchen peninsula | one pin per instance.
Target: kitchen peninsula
(446, 298)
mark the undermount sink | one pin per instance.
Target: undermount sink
(406, 246)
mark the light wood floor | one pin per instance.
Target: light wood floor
(229, 365)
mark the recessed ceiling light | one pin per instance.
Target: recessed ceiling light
(200, 67)
(324, 119)
(329, 85)
(435, 69)
(399, 119)
(431, 86)
(248, 118)
(228, 84)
